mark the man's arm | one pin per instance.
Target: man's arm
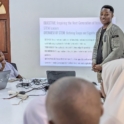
(94, 55)
(17, 75)
(117, 46)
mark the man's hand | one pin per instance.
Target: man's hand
(19, 76)
(3, 63)
(2, 58)
(93, 67)
(98, 68)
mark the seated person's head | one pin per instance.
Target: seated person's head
(2, 57)
(73, 101)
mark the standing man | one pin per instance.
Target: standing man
(109, 43)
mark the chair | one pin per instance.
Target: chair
(14, 65)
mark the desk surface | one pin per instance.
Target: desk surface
(13, 114)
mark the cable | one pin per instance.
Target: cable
(28, 85)
(15, 94)
(38, 81)
(24, 85)
(22, 94)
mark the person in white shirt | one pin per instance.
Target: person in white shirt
(113, 85)
(4, 66)
(35, 112)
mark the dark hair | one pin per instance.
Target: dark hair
(108, 7)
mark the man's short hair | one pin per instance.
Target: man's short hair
(108, 7)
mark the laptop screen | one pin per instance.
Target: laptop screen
(4, 76)
(52, 76)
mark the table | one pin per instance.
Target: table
(13, 114)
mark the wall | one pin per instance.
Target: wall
(25, 39)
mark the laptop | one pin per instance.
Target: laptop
(4, 77)
(52, 76)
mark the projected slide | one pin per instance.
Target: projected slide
(67, 41)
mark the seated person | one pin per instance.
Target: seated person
(113, 91)
(35, 112)
(73, 101)
(4, 66)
